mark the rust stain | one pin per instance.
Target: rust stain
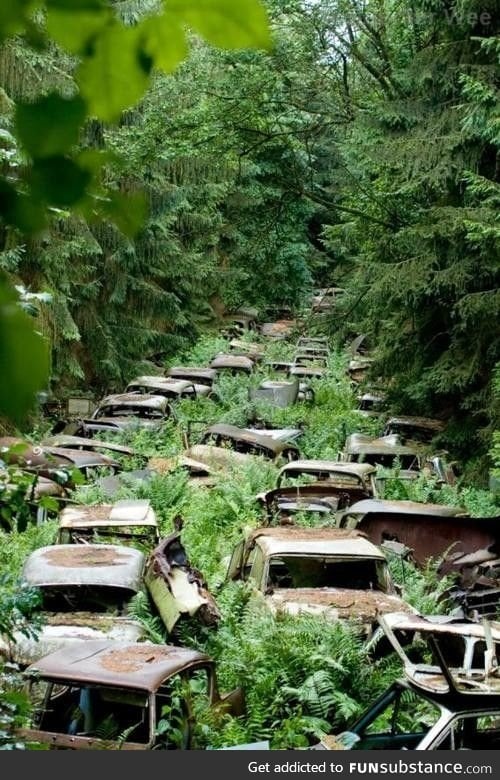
(296, 532)
(83, 557)
(132, 659)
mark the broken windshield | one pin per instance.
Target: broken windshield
(322, 572)
(85, 598)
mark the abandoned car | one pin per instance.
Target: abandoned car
(356, 480)
(427, 529)
(55, 463)
(251, 443)
(383, 451)
(279, 330)
(321, 500)
(200, 376)
(233, 364)
(173, 389)
(306, 358)
(452, 704)
(122, 696)
(238, 323)
(86, 591)
(128, 410)
(247, 348)
(358, 369)
(130, 520)
(335, 573)
(476, 590)
(371, 404)
(81, 443)
(306, 372)
(421, 429)
(203, 462)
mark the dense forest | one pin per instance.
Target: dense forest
(164, 163)
(361, 150)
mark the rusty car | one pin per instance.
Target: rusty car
(234, 364)
(371, 404)
(335, 573)
(204, 463)
(451, 704)
(358, 368)
(278, 330)
(57, 464)
(247, 348)
(429, 530)
(306, 372)
(173, 389)
(238, 323)
(126, 521)
(384, 451)
(128, 410)
(475, 592)
(122, 696)
(354, 479)
(314, 341)
(251, 443)
(86, 591)
(198, 375)
(70, 442)
(307, 358)
(320, 500)
(421, 429)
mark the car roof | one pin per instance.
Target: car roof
(139, 666)
(70, 442)
(232, 361)
(177, 386)
(428, 423)
(360, 470)
(250, 437)
(315, 541)
(147, 400)
(85, 564)
(129, 512)
(359, 444)
(192, 371)
(379, 505)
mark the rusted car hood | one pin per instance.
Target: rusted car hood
(64, 629)
(335, 603)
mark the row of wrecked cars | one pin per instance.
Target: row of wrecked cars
(92, 665)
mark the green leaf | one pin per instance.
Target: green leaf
(115, 77)
(59, 180)
(23, 357)
(51, 125)
(74, 28)
(231, 24)
(164, 41)
(20, 210)
(128, 212)
(13, 16)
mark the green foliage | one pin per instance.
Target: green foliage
(18, 605)
(20, 347)
(14, 707)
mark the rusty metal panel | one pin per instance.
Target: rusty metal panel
(142, 667)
